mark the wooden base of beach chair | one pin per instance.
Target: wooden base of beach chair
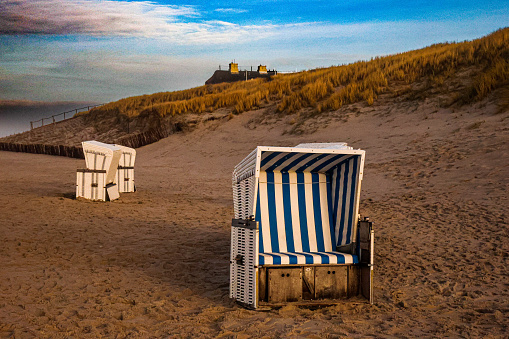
(125, 179)
(307, 284)
(91, 185)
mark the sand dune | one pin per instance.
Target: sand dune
(155, 263)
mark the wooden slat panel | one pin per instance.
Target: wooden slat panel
(331, 282)
(262, 284)
(284, 284)
(308, 283)
(353, 281)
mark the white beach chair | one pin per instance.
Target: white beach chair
(97, 180)
(125, 171)
(297, 236)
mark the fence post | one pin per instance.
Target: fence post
(42, 122)
(31, 125)
(53, 118)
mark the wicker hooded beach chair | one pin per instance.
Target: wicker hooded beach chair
(97, 180)
(297, 235)
(125, 171)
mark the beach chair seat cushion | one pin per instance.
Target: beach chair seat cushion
(306, 258)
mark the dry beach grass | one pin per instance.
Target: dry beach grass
(155, 263)
(460, 73)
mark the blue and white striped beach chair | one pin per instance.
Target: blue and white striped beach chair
(296, 234)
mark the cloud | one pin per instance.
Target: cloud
(180, 25)
(231, 10)
(177, 24)
(59, 17)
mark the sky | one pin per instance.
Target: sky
(100, 51)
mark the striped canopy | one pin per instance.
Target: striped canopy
(307, 198)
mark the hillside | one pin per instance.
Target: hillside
(453, 75)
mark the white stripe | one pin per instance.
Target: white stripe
(310, 212)
(301, 259)
(303, 162)
(280, 216)
(287, 162)
(333, 188)
(347, 203)
(333, 197)
(348, 259)
(333, 259)
(268, 259)
(324, 207)
(317, 259)
(329, 166)
(264, 212)
(321, 161)
(294, 200)
(272, 161)
(285, 259)
(340, 179)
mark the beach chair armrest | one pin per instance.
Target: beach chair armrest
(245, 223)
(349, 248)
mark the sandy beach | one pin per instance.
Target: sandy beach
(155, 263)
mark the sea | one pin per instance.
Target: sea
(15, 115)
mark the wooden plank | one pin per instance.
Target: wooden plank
(366, 276)
(331, 282)
(308, 283)
(353, 280)
(262, 284)
(284, 284)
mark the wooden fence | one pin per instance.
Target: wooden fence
(61, 150)
(134, 140)
(53, 119)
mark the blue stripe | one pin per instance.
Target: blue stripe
(294, 163)
(355, 259)
(328, 162)
(325, 258)
(258, 218)
(309, 259)
(267, 158)
(340, 164)
(261, 260)
(271, 199)
(336, 202)
(287, 209)
(276, 260)
(316, 158)
(343, 203)
(329, 206)
(315, 179)
(352, 200)
(281, 161)
(301, 193)
(341, 257)
(293, 258)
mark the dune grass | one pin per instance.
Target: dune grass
(330, 88)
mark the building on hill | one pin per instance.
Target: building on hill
(262, 69)
(233, 68)
(235, 73)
